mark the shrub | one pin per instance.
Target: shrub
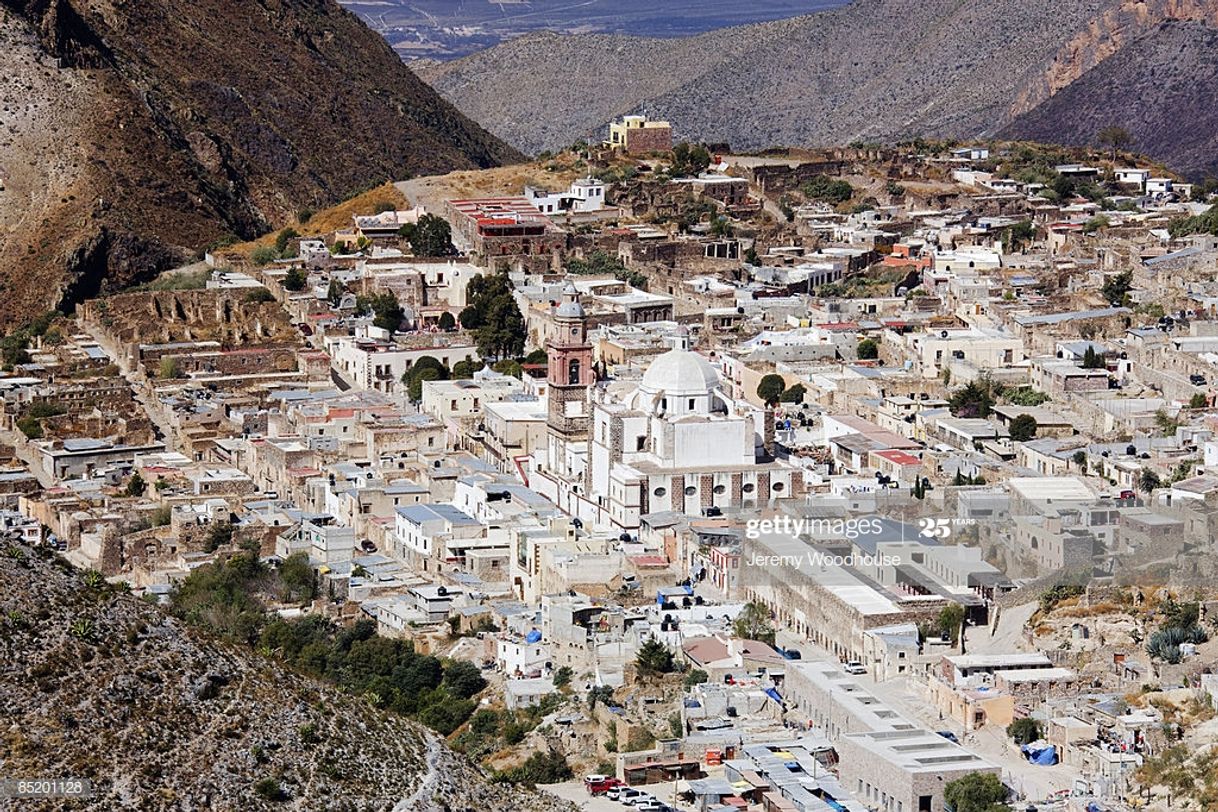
(1024, 731)
(258, 295)
(263, 255)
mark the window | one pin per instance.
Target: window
(691, 404)
(690, 490)
(778, 486)
(661, 491)
(747, 487)
(719, 489)
(573, 371)
(640, 443)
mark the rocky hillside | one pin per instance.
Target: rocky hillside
(134, 133)
(872, 70)
(96, 684)
(1160, 86)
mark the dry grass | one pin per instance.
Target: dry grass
(337, 217)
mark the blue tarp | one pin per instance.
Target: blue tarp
(1046, 757)
(532, 637)
(772, 693)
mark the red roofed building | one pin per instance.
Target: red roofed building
(505, 227)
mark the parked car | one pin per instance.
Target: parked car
(627, 796)
(600, 784)
(854, 667)
(947, 734)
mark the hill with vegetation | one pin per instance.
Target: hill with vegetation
(179, 711)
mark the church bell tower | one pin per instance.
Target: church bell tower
(569, 357)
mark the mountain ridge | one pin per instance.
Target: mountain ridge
(873, 70)
(135, 134)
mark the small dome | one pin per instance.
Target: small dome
(570, 307)
(680, 373)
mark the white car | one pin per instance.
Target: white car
(855, 667)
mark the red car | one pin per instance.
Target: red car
(600, 784)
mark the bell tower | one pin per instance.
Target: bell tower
(569, 359)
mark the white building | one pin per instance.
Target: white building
(585, 195)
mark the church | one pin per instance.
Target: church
(676, 442)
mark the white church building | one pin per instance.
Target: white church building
(675, 442)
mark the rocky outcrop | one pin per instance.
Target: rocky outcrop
(99, 685)
(1160, 87)
(133, 134)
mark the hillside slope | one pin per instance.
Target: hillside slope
(872, 70)
(1166, 104)
(133, 133)
(98, 685)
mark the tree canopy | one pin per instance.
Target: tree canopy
(430, 237)
(494, 317)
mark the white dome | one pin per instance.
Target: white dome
(680, 373)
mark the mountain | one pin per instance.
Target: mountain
(134, 134)
(442, 29)
(876, 70)
(1161, 87)
(102, 686)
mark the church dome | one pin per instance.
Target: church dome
(680, 373)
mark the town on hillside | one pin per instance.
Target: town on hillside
(663, 477)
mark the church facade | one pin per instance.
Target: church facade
(677, 442)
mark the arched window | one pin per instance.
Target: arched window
(573, 371)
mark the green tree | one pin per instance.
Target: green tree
(1023, 428)
(298, 578)
(795, 394)
(1116, 288)
(1115, 138)
(168, 368)
(431, 237)
(689, 159)
(770, 389)
(387, 312)
(1024, 730)
(295, 279)
(600, 694)
(827, 190)
(1198, 401)
(494, 317)
(562, 676)
(868, 350)
(1148, 480)
(136, 486)
(464, 370)
(509, 366)
(976, 792)
(448, 322)
(654, 657)
(334, 293)
(30, 427)
(696, 676)
(463, 679)
(282, 240)
(949, 621)
(1093, 359)
(263, 255)
(975, 399)
(414, 384)
(753, 623)
(1080, 459)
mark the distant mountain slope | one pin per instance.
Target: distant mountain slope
(98, 685)
(871, 70)
(134, 132)
(1162, 87)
